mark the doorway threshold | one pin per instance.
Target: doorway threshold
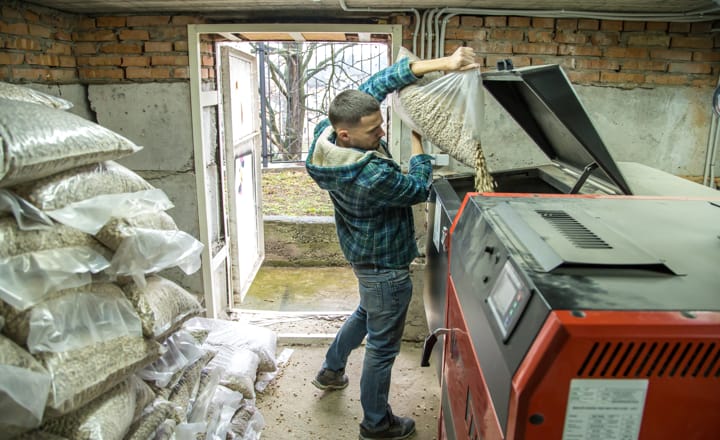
(295, 327)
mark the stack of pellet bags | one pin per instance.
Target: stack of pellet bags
(447, 110)
(94, 344)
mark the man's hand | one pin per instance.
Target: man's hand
(417, 147)
(462, 59)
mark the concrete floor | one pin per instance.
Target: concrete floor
(291, 406)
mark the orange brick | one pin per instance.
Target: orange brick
(169, 60)
(67, 61)
(648, 40)
(699, 68)
(85, 24)
(85, 48)
(148, 20)
(170, 33)
(136, 61)
(30, 74)
(455, 21)
(100, 61)
(496, 21)
(59, 49)
(626, 52)
(706, 56)
(4, 73)
(42, 60)
(570, 37)
(62, 75)
(565, 62)
(611, 25)
(466, 34)
(113, 21)
(522, 22)
(544, 23)
(14, 28)
(102, 35)
(705, 82)
(596, 64)
(587, 24)
(181, 73)
(22, 44)
(656, 26)
(535, 36)
(494, 47)
(138, 73)
(8, 12)
(101, 73)
(679, 27)
(583, 77)
(208, 60)
(567, 24)
(622, 78)
(132, 34)
(666, 79)
(592, 51)
(122, 48)
(404, 20)
(692, 42)
(507, 34)
(62, 35)
(37, 30)
(182, 46)
(11, 58)
(634, 26)
(153, 46)
(703, 27)
(205, 73)
(530, 48)
(160, 73)
(604, 38)
(31, 16)
(644, 65)
(681, 55)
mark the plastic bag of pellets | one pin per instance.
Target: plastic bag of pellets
(26, 94)
(448, 112)
(27, 216)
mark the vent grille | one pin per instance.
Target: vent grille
(573, 230)
(652, 359)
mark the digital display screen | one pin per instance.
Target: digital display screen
(508, 298)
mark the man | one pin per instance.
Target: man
(373, 214)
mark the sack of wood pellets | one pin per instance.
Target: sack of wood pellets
(73, 318)
(148, 251)
(30, 150)
(448, 112)
(247, 423)
(208, 384)
(27, 216)
(108, 417)
(183, 393)
(237, 334)
(80, 376)
(37, 262)
(163, 306)
(151, 419)
(118, 229)
(24, 387)
(239, 369)
(215, 424)
(16, 92)
(180, 349)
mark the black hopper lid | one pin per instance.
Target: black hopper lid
(542, 100)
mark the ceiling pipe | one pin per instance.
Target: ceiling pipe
(346, 8)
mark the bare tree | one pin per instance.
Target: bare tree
(297, 72)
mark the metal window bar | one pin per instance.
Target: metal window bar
(300, 79)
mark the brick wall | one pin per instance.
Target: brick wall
(44, 45)
(608, 52)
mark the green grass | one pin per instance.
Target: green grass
(293, 193)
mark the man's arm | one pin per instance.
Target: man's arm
(462, 59)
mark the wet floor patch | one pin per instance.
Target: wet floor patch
(302, 289)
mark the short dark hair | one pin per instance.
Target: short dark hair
(351, 105)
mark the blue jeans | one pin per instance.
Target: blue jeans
(384, 298)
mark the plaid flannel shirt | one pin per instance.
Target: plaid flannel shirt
(372, 197)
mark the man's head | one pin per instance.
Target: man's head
(357, 120)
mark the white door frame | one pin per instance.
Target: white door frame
(216, 302)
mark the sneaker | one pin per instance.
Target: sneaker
(399, 428)
(331, 380)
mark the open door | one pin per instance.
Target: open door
(241, 135)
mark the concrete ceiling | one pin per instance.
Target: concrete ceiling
(236, 8)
